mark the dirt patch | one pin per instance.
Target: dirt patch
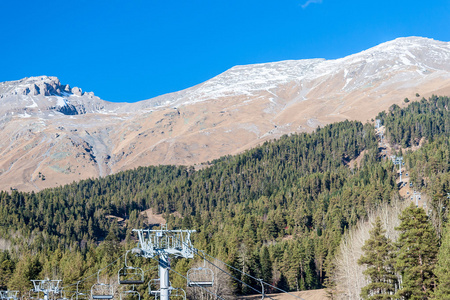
(357, 161)
(153, 218)
(306, 295)
(120, 221)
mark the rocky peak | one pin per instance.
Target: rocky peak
(38, 85)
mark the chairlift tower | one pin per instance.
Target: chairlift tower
(380, 133)
(416, 195)
(164, 243)
(398, 160)
(46, 286)
(377, 123)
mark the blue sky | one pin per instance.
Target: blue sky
(137, 49)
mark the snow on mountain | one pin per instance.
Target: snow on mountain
(45, 95)
(66, 134)
(400, 55)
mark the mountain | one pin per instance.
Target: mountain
(53, 134)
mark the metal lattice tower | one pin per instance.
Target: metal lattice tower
(163, 243)
(46, 286)
(398, 160)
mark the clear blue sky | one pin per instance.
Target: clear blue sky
(132, 50)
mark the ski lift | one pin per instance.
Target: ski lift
(262, 288)
(62, 294)
(34, 295)
(130, 275)
(177, 293)
(130, 293)
(3, 294)
(201, 277)
(78, 295)
(11, 295)
(101, 291)
(153, 289)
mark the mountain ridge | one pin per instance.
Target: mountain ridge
(69, 134)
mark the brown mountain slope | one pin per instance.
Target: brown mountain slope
(52, 134)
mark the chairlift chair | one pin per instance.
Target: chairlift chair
(153, 289)
(32, 297)
(62, 294)
(130, 293)
(177, 293)
(201, 277)
(11, 295)
(101, 291)
(79, 295)
(129, 274)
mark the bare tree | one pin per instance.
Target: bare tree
(348, 275)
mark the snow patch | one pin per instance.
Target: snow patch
(61, 101)
(404, 60)
(25, 115)
(33, 105)
(347, 82)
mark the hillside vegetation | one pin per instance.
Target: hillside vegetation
(277, 212)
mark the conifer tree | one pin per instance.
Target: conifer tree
(378, 257)
(442, 269)
(417, 254)
(266, 265)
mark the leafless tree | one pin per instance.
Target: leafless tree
(348, 275)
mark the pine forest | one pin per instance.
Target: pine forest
(279, 212)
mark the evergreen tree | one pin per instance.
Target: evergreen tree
(442, 269)
(417, 254)
(378, 257)
(6, 269)
(28, 268)
(266, 265)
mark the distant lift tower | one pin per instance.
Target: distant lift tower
(398, 160)
(380, 133)
(416, 195)
(377, 123)
(46, 286)
(163, 243)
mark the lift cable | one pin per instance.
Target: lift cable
(95, 274)
(196, 251)
(257, 279)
